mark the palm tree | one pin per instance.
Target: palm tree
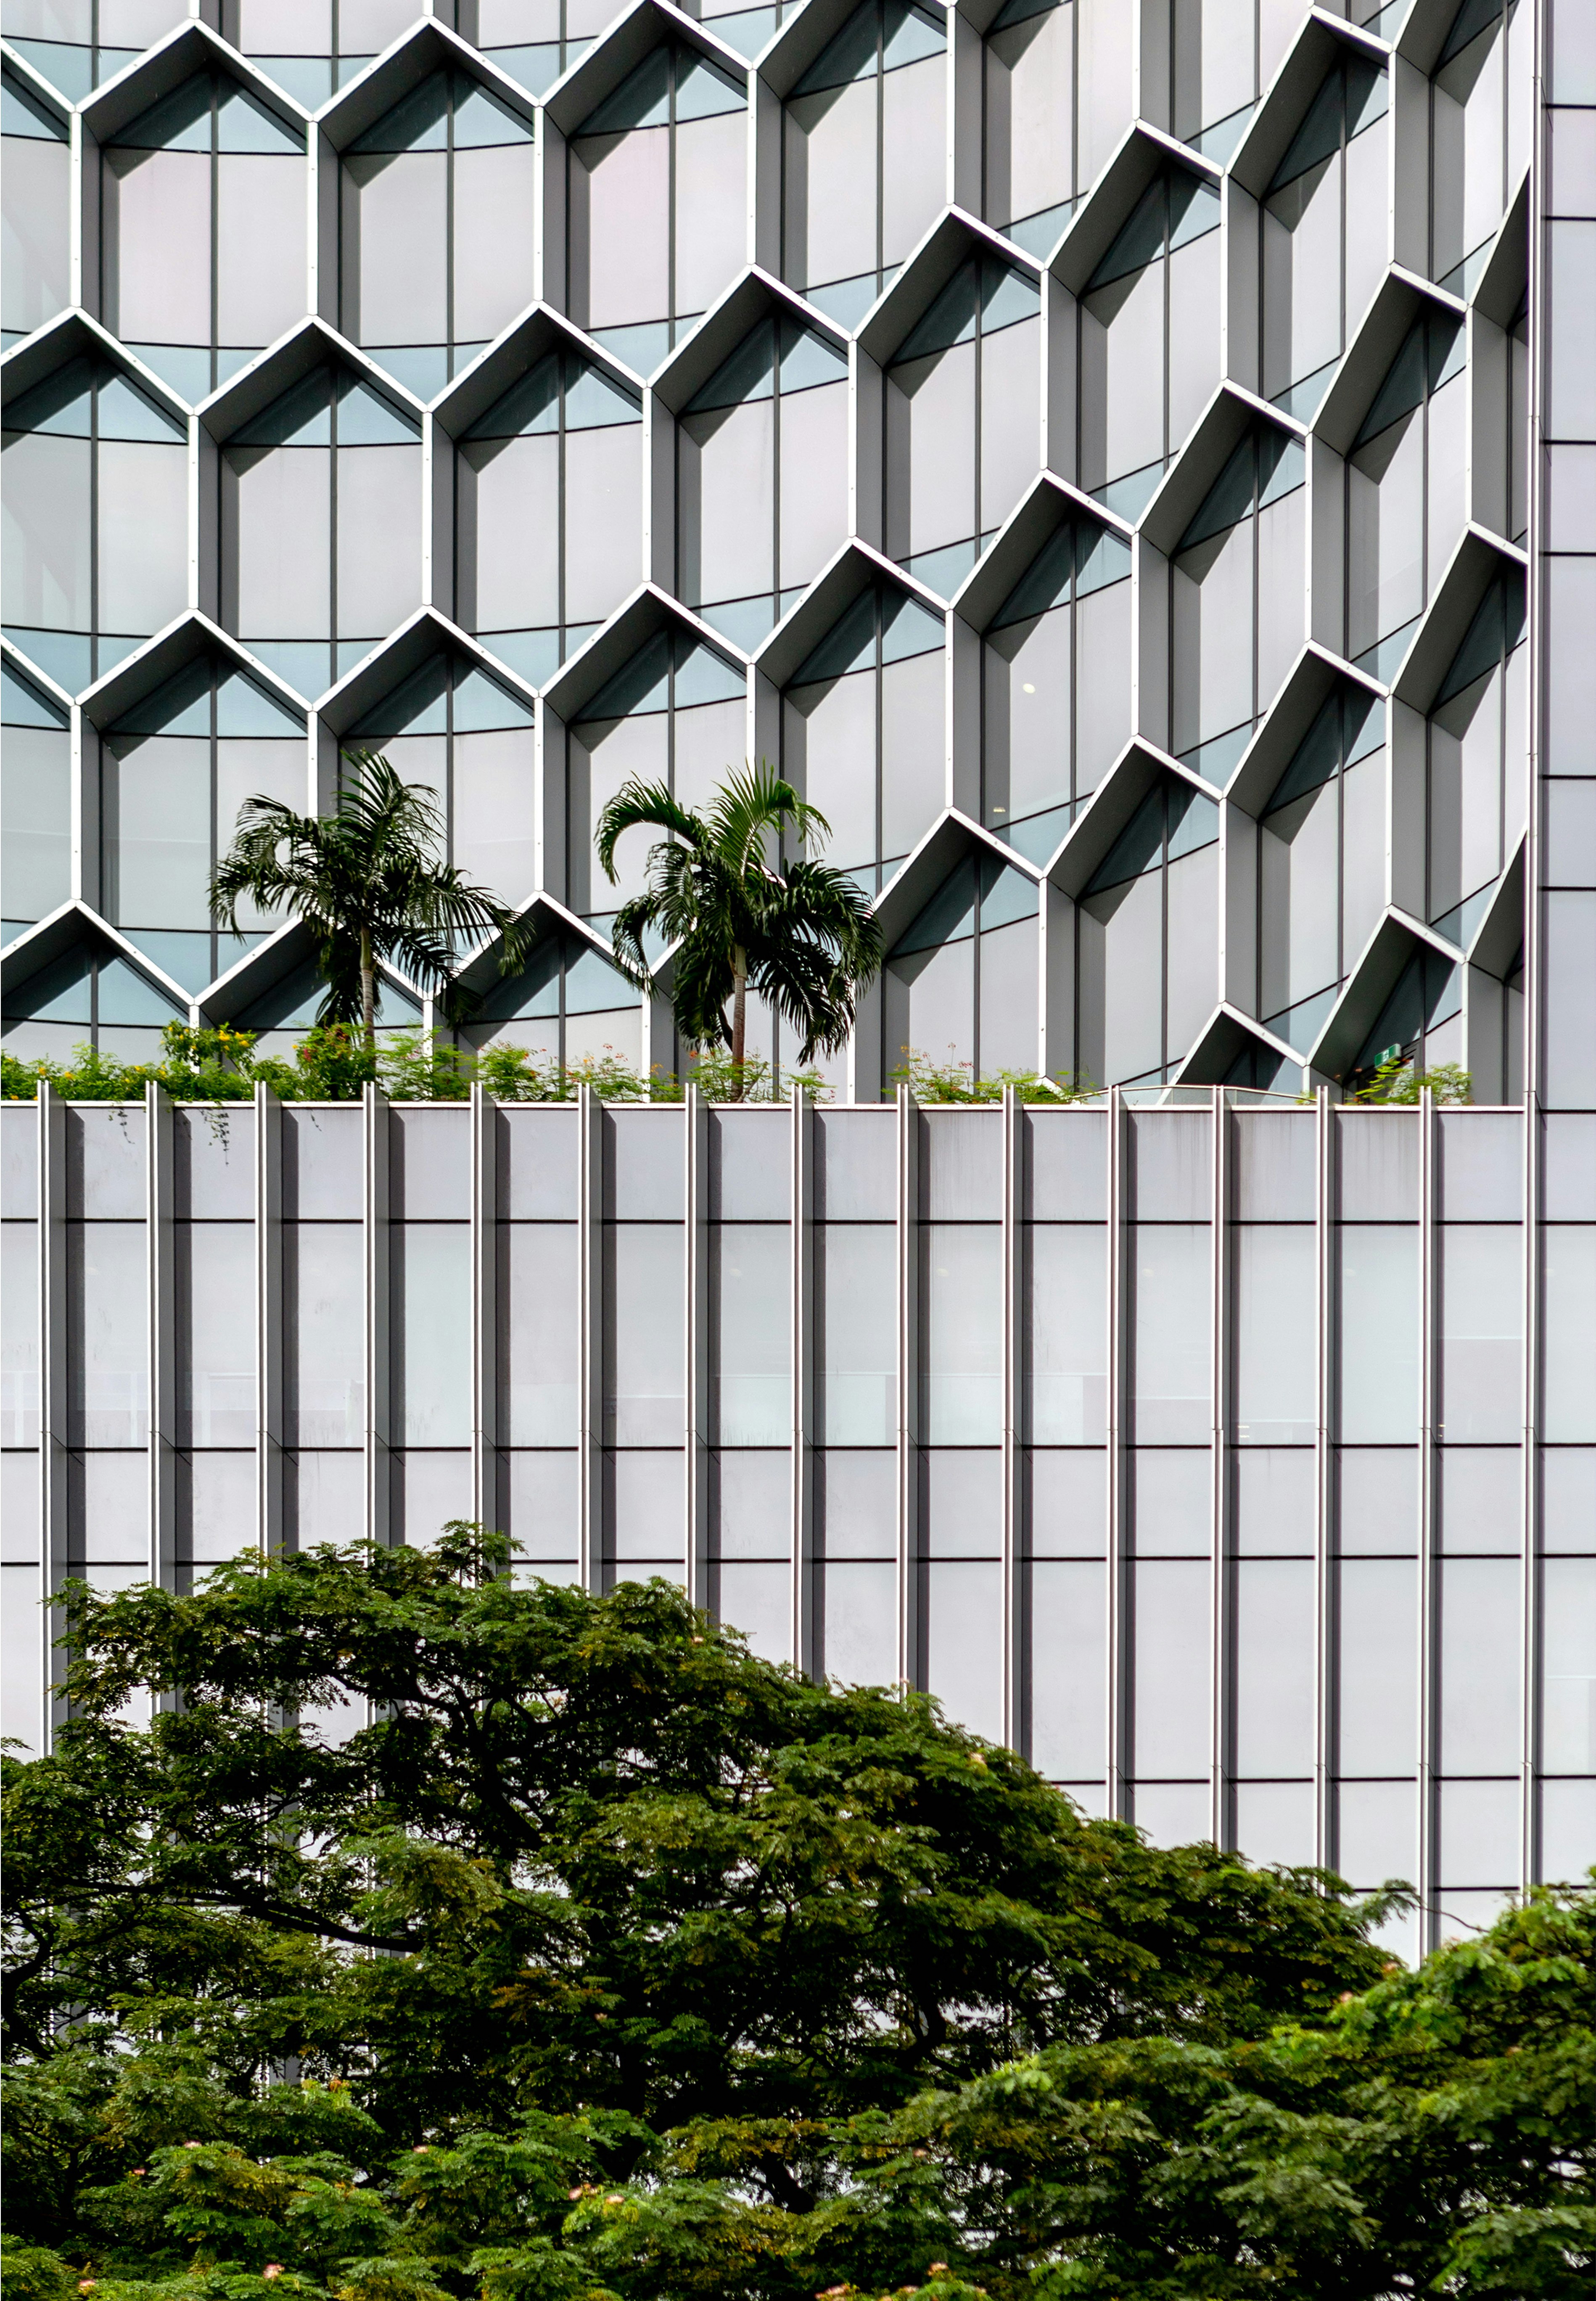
(801, 933)
(368, 882)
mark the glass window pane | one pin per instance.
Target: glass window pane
(1275, 1660)
(538, 1499)
(324, 1334)
(108, 1342)
(1479, 1658)
(858, 1605)
(1568, 1311)
(1067, 1688)
(1377, 1665)
(961, 1502)
(856, 1306)
(1482, 1288)
(961, 1338)
(962, 1629)
(1170, 1331)
(1171, 1501)
(1274, 1500)
(215, 1287)
(1568, 1717)
(646, 1510)
(1377, 1503)
(1377, 1337)
(1276, 1333)
(1067, 1339)
(538, 1340)
(644, 1338)
(750, 1268)
(1171, 1670)
(1479, 1497)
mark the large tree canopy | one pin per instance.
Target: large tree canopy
(433, 1935)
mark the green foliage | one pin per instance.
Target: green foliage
(593, 1959)
(1397, 1081)
(739, 916)
(369, 882)
(955, 1082)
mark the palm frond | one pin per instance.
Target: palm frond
(638, 804)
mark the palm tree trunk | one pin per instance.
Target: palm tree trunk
(368, 992)
(739, 1018)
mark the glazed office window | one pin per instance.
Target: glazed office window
(532, 41)
(1056, 687)
(962, 421)
(1477, 734)
(201, 232)
(35, 803)
(1149, 340)
(1480, 102)
(1145, 969)
(761, 478)
(1056, 95)
(320, 527)
(312, 47)
(960, 985)
(75, 44)
(1516, 445)
(36, 277)
(1324, 229)
(96, 491)
(568, 1005)
(863, 730)
(468, 741)
(1223, 55)
(436, 242)
(1321, 866)
(676, 714)
(863, 154)
(174, 774)
(1421, 1022)
(547, 502)
(90, 996)
(1405, 493)
(657, 220)
(1236, 603)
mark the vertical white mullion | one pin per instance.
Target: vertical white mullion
(695, 1213)
(1529, 1515)
(908, 1365)
(589, 1332)
(268, 1319)
(801, 1212)
(1219, 1756)
(53, 1433)
(1114, 1624)
(1324, 1487)
(1427, 1590)
(1014, 1649)
(484, 1306)
(378, 1249)
(160, 1332)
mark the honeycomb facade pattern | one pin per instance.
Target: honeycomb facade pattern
(1133, 468)
(1085, 446)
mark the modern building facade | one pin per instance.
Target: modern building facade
(1134, 469)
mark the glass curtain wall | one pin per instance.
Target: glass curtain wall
(1325, 230)
(75, 44)
(963, 408)
(761, 478)
(1145, 975)
(320, 527)
(1481, 111)
(35, 803)
(1405, 482)
(174, 774)
(1236, 601)
(1223, 55)
(1056, 97)
(1322, 865)
(1476, 729)
(1148, 340)
(36, 199)
(313, 48)
(89, 996)
(676, 714)
(94, 485)
(467, 739)
(1054, 666)
(863, 730)
(653, 235)
(961, 983)
(568, 1005)
(547, 493)
(864, 155)
(435, 246)
(201, 232)
(532, 41)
